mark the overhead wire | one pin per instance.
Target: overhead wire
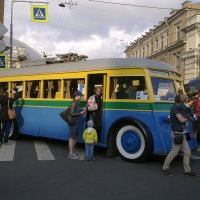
(133, 5)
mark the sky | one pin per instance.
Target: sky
(98, 30)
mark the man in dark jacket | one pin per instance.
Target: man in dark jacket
(73, 128)
(178, 119)
(6, 102)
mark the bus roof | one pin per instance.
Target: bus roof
(97, 64)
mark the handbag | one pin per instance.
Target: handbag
(178, 138)
(11, 112)
(66, 116)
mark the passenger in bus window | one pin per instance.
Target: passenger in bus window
(121, 92)
(95, 114)
(6, 102)
(73, 128)
(131, 92)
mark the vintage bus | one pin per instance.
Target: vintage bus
(137, 97)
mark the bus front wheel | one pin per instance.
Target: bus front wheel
(132, 144)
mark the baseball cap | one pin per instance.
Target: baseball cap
(78, 93)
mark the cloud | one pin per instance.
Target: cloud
(94, 29)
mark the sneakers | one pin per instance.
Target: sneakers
(166, 172)
(73, 156)
(191, 174)
(8, 143)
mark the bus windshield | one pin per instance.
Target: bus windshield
(163, 89)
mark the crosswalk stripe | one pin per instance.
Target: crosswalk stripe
(43, 151)
(7, 152)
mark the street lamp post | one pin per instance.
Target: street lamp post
(11, 25)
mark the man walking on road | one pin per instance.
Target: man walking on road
(179, 142)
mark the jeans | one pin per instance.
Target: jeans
(89, 151)
(4, 133)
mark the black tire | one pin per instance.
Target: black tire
(14, 134)
(132, 143)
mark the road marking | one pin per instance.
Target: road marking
(193, 157)
(43, 151)
(7, 152)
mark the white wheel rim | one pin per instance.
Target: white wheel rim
(135, 133)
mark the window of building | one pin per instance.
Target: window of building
(143, 52)
(178, 63)
(162, 42)
(152, 47)
(33, 89)
(129, 87)
(179, 87)
(178, 32)
(156, 44)
(71, 85)
(167, 40)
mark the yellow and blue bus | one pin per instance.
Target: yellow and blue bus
(137, 97)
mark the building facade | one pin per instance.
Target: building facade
(176, 41)
(1, 10)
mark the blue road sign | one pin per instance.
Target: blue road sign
(2, 61)
(39, 13)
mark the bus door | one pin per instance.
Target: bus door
(96, 83)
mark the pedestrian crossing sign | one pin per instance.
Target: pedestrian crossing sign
(3, 61)
(39, 13)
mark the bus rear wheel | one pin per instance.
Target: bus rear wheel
(132, 144)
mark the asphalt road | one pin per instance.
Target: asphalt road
(38, 169)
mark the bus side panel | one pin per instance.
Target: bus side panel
(161, 134)
(53, 126)
(157, 123)
(27, 121)
(165, 133)
(45, 122)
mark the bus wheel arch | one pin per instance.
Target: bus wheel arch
(131, 139)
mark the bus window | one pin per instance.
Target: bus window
(3, 86)
(70, 86)
(17, 85)
(52, 88)
(163, 89)
(130, 87)
(33, 89)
